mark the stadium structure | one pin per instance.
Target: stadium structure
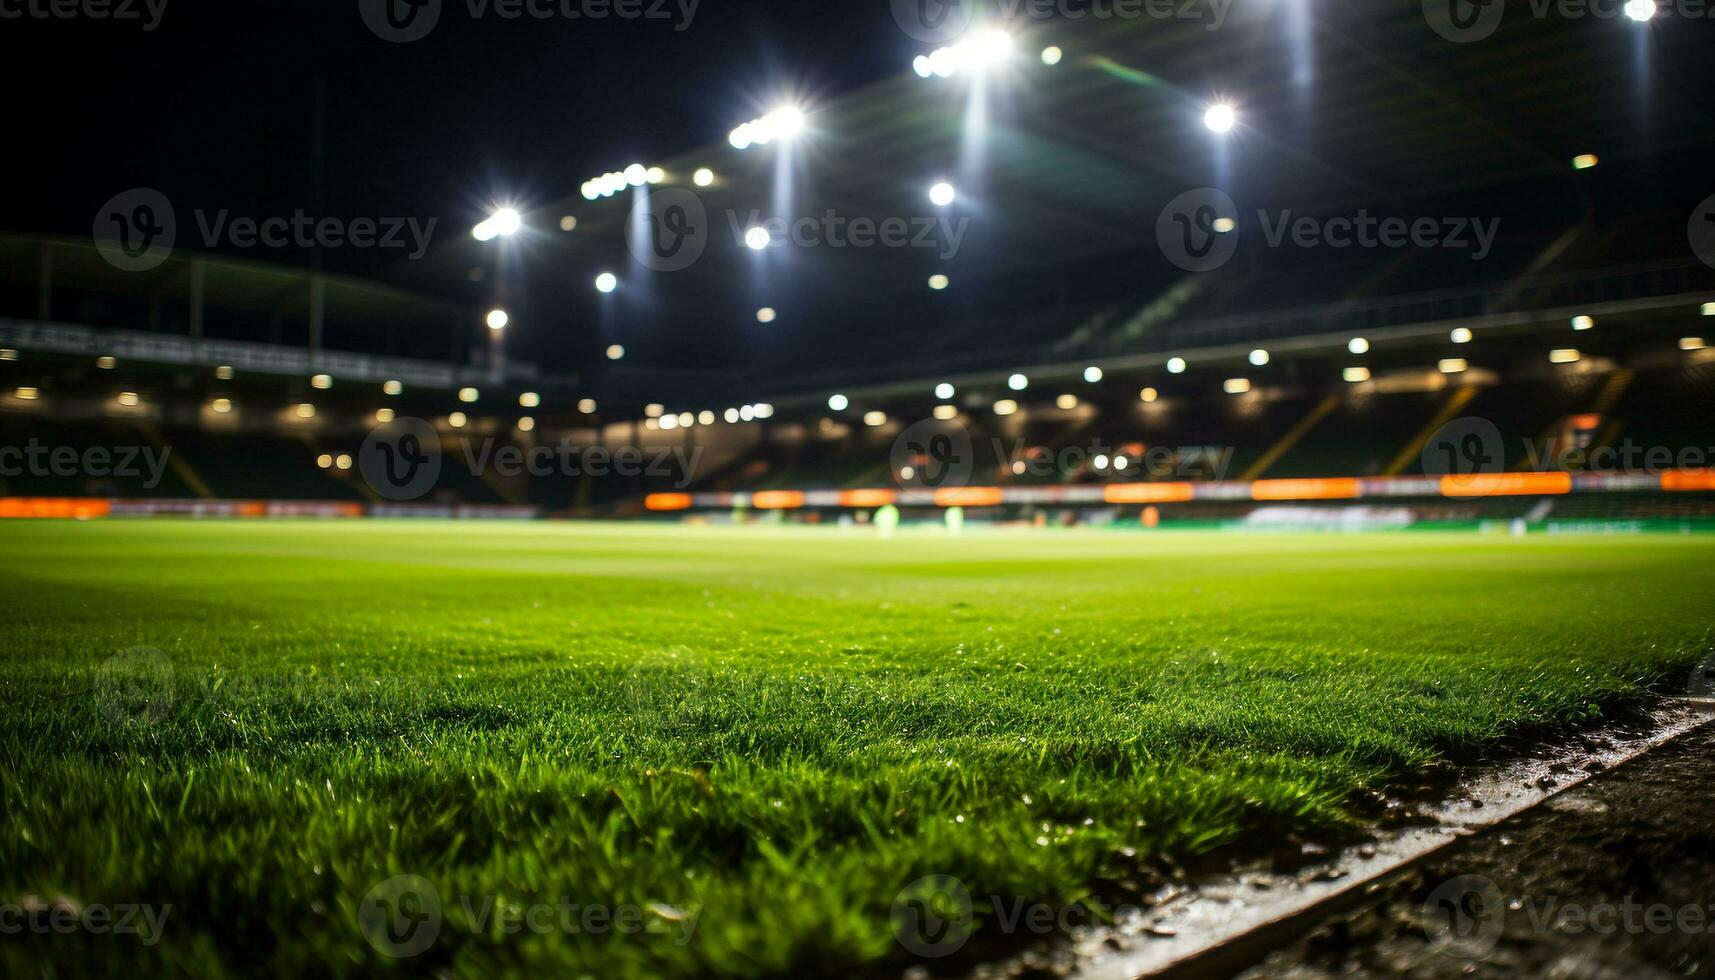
(1287, 374)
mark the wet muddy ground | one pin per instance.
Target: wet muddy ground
(1614, 878)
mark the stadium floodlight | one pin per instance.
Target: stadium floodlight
(391, 387)
(654, 410)
(615, 352)
(763, 410)
(27, 394)
(705, 417)
(766, 315)
(1092, 374)
(1584, 161)
(322, 382)
(223, 372)
(221, 406)
(946, 413)
(1005, 406)
(1564, 355)
(655, 175)
(1708, 309)
(1066, 403)
(325, 461)
(746, 413)
(1358, 345)
(1691, 343)
(1236, 386)
(1583, 323)
(1051, 55)
(529, 399)
(1100, 462)
(757, 239)
(569, 222)
(875, 420)
(586, 406)
(1461, 335)
(469, 395)
(687, 419)
(384, 415)
(1176, 365)
(838, 403)
(1018, 382)
(607, 282)
(1452, 365)
(703, 177)
(939, 282)
(1640, 10)
(526, 424)
(1148, 395)
(457, 420)
(1259, 357)
(106, 362)
(943, 391)
(920, 65)
(731, 415)
(503, 222)
(637, 175)
(784, 123)
(1356, 375)
(306, 411)
(980, 52)
(129, 399)
(11, 354)
(497, 319)
(942, 194)
(1220, 118)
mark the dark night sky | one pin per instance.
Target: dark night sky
(214, 107)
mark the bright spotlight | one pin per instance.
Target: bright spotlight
(765, 315)
(1640, 10)
(1092, 374)
(1358, 345)
(607, 282)
(1356, 375)
(469, 395)
(1220, 118)
(507, 221)
(655, 175)
(938, 282)
(920, 65)
(943, 391)
(1005, 406)
(1452, 365)
(497, 319)
(1148, 395)
(1051, 55)
(703, 177)
(786, 122)
(1584, 161)
(1018, 382)
(1583, 323)
(1461, 335)
(615, 352)
(756, 239)
(993, 46)
(942, 194)
(637, 175)
(1259, 357)
(1236, 386)
(838, 403)
(1176, 365)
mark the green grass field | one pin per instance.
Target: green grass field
(742, 742)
